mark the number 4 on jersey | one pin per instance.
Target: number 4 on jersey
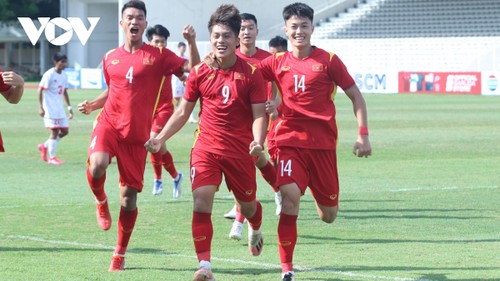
(130, 74)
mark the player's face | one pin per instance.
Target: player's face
(223, 41)
(60, 65)
(158, 41)
(248, 32)
(299, 31)
(133, 23)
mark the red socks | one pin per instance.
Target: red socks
(168, 164)
(256, 221)
(287, 238)
(202, 231)
(269, 174)
(97, 186)
(156, 161)
(126, 224)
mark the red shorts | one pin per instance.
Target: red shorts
(160, 119)
(207, 169)
(131, 158)
(310, 167)
(1, 143)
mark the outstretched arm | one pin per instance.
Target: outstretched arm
(194, 57)
(362, 147)
(14, 94)
(174, 124)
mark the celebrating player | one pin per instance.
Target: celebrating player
(250, 53)
(232, 129)
(133, 73)
(51, 91)
(158, 36)
(306, 137)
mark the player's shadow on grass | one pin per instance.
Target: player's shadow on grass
(392, 241)
(399, 213)
(373, 270)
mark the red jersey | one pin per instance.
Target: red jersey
(165, 101)
(255, 60)
(134, 83)
(308, 87)
(226, 98)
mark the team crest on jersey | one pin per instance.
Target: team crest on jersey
(317, 68)
(113, 62)
(148, 61)
(211, 76)
(285, 68)
(239, 76)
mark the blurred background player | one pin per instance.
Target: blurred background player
(231, 133)
(250, 53)
(158, 36)
(51, 92)
(134, 73)
(178, 83)
(12, 89)
(278, 44)
(306, 137)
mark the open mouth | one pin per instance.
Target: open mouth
(134, 30)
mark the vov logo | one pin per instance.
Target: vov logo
(49, 26)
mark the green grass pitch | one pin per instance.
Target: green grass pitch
(425, 206)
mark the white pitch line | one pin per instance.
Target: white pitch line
(236, 261)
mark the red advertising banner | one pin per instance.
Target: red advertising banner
(440, 82)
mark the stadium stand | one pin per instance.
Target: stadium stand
(413, 18)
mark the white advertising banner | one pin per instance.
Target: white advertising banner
(491, 83)
(376, 82)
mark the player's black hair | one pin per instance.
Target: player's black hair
(135, 4)
(298, 9)
(228, 15)
(181, 44)
(158, 30)
(59, 57)
(278, 41)
(247, 16)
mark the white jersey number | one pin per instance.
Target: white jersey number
(225, 94)
(130, 74)
(299, 83)
(286, 167)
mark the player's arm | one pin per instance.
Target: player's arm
(86, 107)
(39, 94)
(273, 103)
(362, 147)
(194, 56)
(66, 99)
(259, 128)
(14, 94)
(174, 124)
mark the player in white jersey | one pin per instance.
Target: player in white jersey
(51, 91)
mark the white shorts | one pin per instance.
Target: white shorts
(56, 123)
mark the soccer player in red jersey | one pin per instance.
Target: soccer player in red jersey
(12, 89)
(134, 73)
(231, 133)
(306, 137)
(157, 36)
(249, 52)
